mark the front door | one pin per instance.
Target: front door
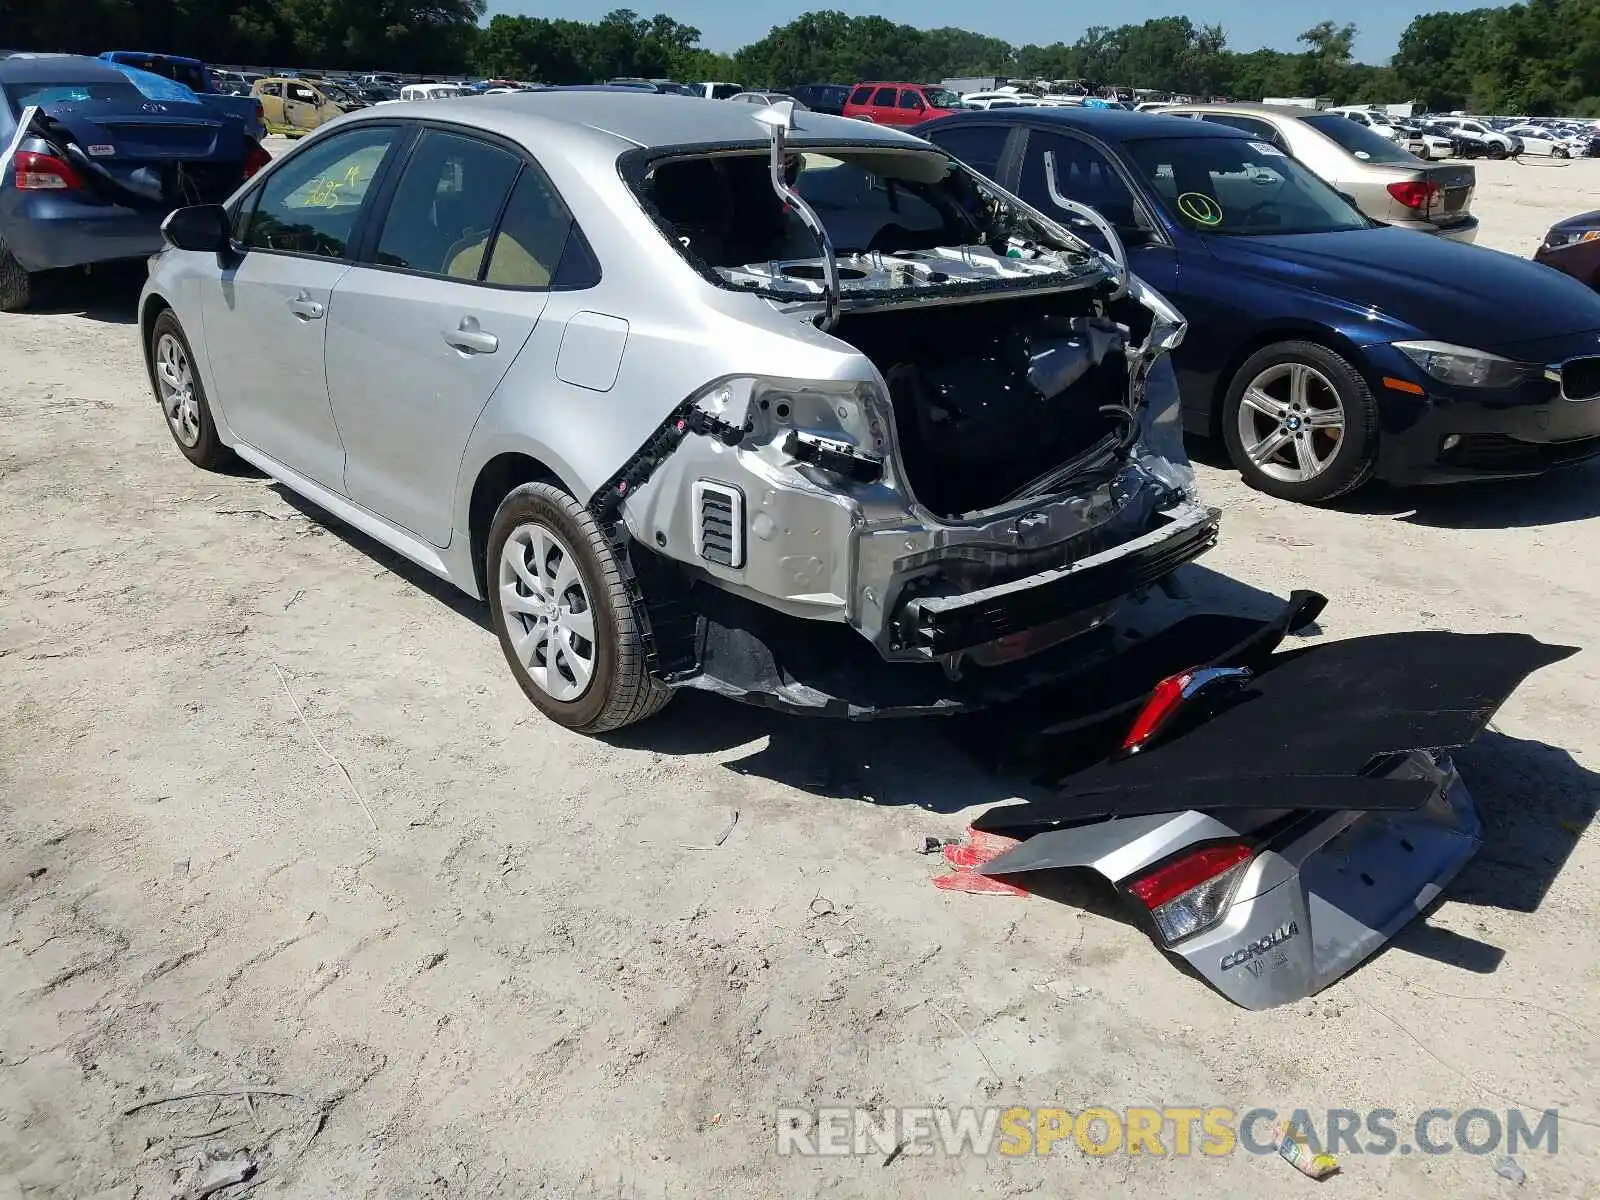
(266, 317)
(422, 334)
(302, 106)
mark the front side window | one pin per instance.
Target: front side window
(445, 206)
(1240, 186)
(311, 203)
(912, 101)
(884, 97)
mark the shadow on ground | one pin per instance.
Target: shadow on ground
(1559, 497)
(109, 294)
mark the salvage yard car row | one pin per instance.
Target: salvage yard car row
(846, 422)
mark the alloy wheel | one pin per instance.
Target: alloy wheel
(547, 611)
(1291, 422)
(178, 398)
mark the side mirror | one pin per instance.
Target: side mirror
(200, 227)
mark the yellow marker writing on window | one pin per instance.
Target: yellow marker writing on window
(1200, 208)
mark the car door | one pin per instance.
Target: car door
(424, 329)
(884, 102)
(912, 110)
(302, 106)
(265, 317)
(271, 96)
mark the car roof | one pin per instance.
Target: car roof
(63, 68)
(172, 58)
(1245, 108)
(1109, 123)
(630, 115)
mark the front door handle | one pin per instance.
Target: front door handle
(306, 308)
(469, 338)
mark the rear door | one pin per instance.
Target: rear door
(302, 106)
(266, 316)
(912, 109)
(455, 279)
(885, 102)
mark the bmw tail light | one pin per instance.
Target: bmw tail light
(1190, 893)
(1415, 193)
(255, 157)
(44, 173)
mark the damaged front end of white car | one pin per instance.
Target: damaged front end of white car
(993, 467)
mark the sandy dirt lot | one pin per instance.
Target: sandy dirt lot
(526, 974)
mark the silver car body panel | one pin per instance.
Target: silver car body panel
(1314, 903)
(431, 424)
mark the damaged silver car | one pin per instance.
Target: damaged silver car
(775, 404)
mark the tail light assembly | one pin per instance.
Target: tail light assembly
(44, 173)
(1191, 891)
(1418, 194)
(1170, 696)
(255, 157)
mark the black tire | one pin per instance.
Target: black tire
(1497, 151)
(207, 452)
(621, 691)
(16, 286)
(1562, 152)
(1354, 460)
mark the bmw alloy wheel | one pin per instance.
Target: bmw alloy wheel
(175, 377)
(547, 611)
(1291, 422)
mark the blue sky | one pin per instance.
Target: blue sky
(729, 24)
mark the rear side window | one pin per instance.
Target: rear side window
(884, 97)
(1365, 144)
(538, 245)
(980, 146)
(1260, 129)
(25, 94)
(862, 95)
(310, 204)
(449, 197)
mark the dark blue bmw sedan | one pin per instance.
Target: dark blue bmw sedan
(1323, 349)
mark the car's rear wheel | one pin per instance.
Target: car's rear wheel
(1300, 423)
(561, 608)
(1562, 152)
(15, 283)
(1496, 150)
(182, 396)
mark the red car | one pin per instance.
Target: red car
(900, 105)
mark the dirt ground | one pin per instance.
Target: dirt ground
(505, 960)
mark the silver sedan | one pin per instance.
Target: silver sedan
(662, 382)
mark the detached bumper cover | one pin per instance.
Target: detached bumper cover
(1330, 764)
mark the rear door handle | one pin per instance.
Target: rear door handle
(306, 308)
(469, 338)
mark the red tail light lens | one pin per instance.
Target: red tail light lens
(44, 173)
(1169, 696)
(254, 157)
(1415, 193)
(1191, 893)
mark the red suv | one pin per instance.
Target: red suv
(901, 105)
